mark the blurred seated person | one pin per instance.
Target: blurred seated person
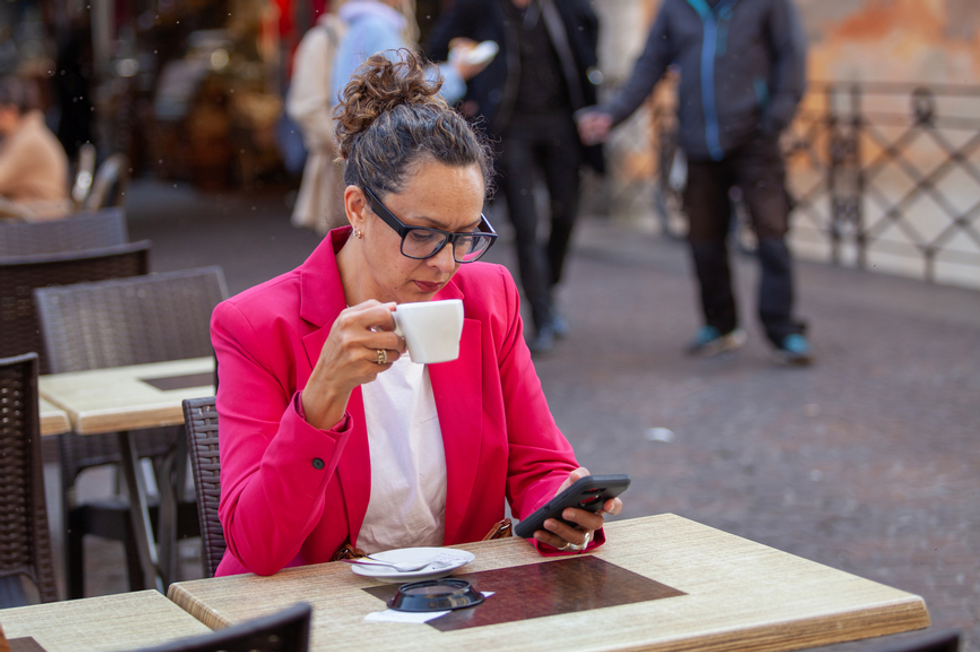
(331, 437)
(33, 164)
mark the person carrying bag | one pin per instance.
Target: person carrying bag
(309, 104)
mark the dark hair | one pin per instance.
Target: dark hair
(391, 119)
(18, 93)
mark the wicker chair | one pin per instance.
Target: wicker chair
(129, 321)
(114, 323)
(25, 541)
(20, 275)
(87, 230)
(285, 631)
(201, 423)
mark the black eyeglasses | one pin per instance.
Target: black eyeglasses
(420, 243)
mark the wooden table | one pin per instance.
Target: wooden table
(120, 398)
(729, 594)
(54, 421)
(126, 621)
(124, 399)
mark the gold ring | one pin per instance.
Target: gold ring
(382, 356)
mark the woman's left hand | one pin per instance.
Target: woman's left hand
(567, 537)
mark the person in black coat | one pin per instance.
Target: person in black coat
(525, 101)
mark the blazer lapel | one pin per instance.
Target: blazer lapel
(321, 300)
(456, 385)
(458, 390)
(321, 295)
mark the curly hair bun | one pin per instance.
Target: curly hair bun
(392, 118)
(379, 86)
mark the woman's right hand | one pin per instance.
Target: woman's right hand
(361, 336)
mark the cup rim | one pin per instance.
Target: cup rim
(411, 305)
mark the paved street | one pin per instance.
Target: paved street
(868, 462)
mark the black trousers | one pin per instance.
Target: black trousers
(544, 147)
(757, 168)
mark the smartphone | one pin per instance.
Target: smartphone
(590, 492)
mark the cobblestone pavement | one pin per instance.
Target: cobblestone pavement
(868, 462)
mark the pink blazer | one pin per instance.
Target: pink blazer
(292, 494)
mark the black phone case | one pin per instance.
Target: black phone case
(590, 493)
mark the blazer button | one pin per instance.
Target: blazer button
(318, 463)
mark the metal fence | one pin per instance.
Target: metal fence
(884, 175)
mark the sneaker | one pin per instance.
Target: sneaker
(710, 342)
(794, 350)
(543, 341)
(559, 325)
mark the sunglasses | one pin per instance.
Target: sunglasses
(420, 243)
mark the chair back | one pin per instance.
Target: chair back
(118, 322)
(20, 275)
(25, 542)
(130, 321)
(84, 174)
(285, 631)
(110, 183)
(201, 424)
(86, 230)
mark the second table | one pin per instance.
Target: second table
(124, 399)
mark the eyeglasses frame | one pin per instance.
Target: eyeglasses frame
(403, 230)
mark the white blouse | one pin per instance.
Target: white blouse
(407, 506)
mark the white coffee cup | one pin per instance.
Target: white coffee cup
(431, 329)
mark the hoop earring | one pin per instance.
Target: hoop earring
(358, 233)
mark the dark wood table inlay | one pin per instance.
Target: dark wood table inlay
(168, 383)
(25, 644)
(546, 589)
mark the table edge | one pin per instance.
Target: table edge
(179, 596)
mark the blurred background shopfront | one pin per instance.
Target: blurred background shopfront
(189, 90)
(882, 161)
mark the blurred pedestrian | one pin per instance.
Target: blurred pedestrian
(380, 26)
(319, 205)
(743, 72)
(72, 82)
(325, 60)
(33, 164)
(526, 98)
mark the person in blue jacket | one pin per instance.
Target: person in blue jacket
(742, 70)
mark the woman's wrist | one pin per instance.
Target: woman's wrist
(320, 410)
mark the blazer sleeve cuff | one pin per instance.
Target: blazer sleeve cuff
(545, 550)
(342, 427)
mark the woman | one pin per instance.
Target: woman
(33, 165)
(330, 435)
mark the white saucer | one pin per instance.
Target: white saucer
(443, 562)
